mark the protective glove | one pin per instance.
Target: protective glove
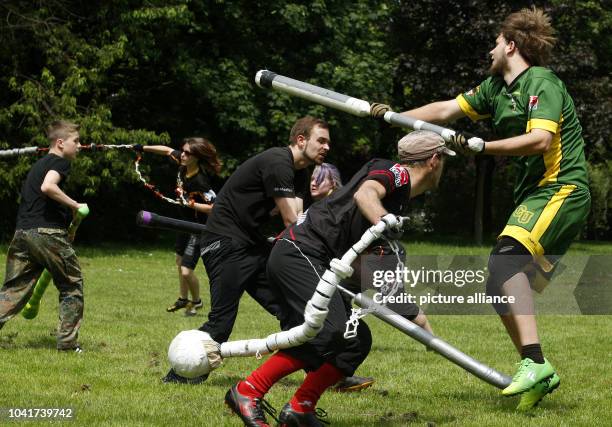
(394, 229)
(378, 111)
(138, 148)
(467, 143)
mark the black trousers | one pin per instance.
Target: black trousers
(296, 280)
(233, 269)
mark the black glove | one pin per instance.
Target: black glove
(466, 143)
(378, 111)
(393, 233)
(138, 147)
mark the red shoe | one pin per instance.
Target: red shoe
(249, 409)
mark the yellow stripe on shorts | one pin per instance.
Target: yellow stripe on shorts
(531, 239)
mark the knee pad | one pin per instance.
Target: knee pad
(507, 258)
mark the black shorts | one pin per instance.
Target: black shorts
(187, 246)
(296, 279)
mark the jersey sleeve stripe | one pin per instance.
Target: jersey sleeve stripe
(388, 174)
(468, 110)
(552, 158)
(549, 125)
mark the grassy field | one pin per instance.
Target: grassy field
(126, 332)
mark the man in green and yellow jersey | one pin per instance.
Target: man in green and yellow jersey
(535, 121)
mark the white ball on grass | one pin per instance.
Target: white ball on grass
(194, 353)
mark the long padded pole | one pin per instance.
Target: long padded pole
(153, 220)
(438, 345)
(14, 152)
(357, 107)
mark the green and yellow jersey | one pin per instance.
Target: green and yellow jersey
(536, 99)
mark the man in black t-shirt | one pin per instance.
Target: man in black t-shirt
(233, 249)
(301, 255)
(41, 240)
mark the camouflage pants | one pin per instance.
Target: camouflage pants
(30, 252)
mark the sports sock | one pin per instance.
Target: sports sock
(532, 351)
(306, 397)
(278, 366)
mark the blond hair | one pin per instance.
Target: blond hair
(60, 129)
(531, 31)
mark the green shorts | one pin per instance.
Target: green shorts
(548, 219)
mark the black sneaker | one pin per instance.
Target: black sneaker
(250, 410)
(353, 383)
(174, 378)
(77, 349)
(180, 303)
(289, 417)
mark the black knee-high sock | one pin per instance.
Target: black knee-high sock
(532, 351)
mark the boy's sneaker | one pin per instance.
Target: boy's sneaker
(192, 306)
(180, 303)
(249, 409)
(289, 417)
(353, 383)
(534, 395)
(528, 375)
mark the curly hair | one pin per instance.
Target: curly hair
(532, 32)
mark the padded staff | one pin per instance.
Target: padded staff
(316, 308)
(438, 345)
(153, 220)
(14, 152)
(357, 107)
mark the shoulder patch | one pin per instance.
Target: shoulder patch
(400, 175)
(533, 103)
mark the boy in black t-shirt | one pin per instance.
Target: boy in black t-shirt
(300, 257)
(41, 239)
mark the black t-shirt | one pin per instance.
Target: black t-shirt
(36, 209)
(247, 198)
(332, 225)
(197, 188)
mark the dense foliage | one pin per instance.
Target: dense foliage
(156, 71)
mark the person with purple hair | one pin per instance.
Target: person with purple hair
(325, 179)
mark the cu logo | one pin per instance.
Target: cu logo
(522, 214)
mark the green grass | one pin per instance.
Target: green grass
(126, 332)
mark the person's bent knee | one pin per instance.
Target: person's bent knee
(186, 272)
(507, 259)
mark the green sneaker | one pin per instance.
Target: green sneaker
(534, 395)
(528, 374)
